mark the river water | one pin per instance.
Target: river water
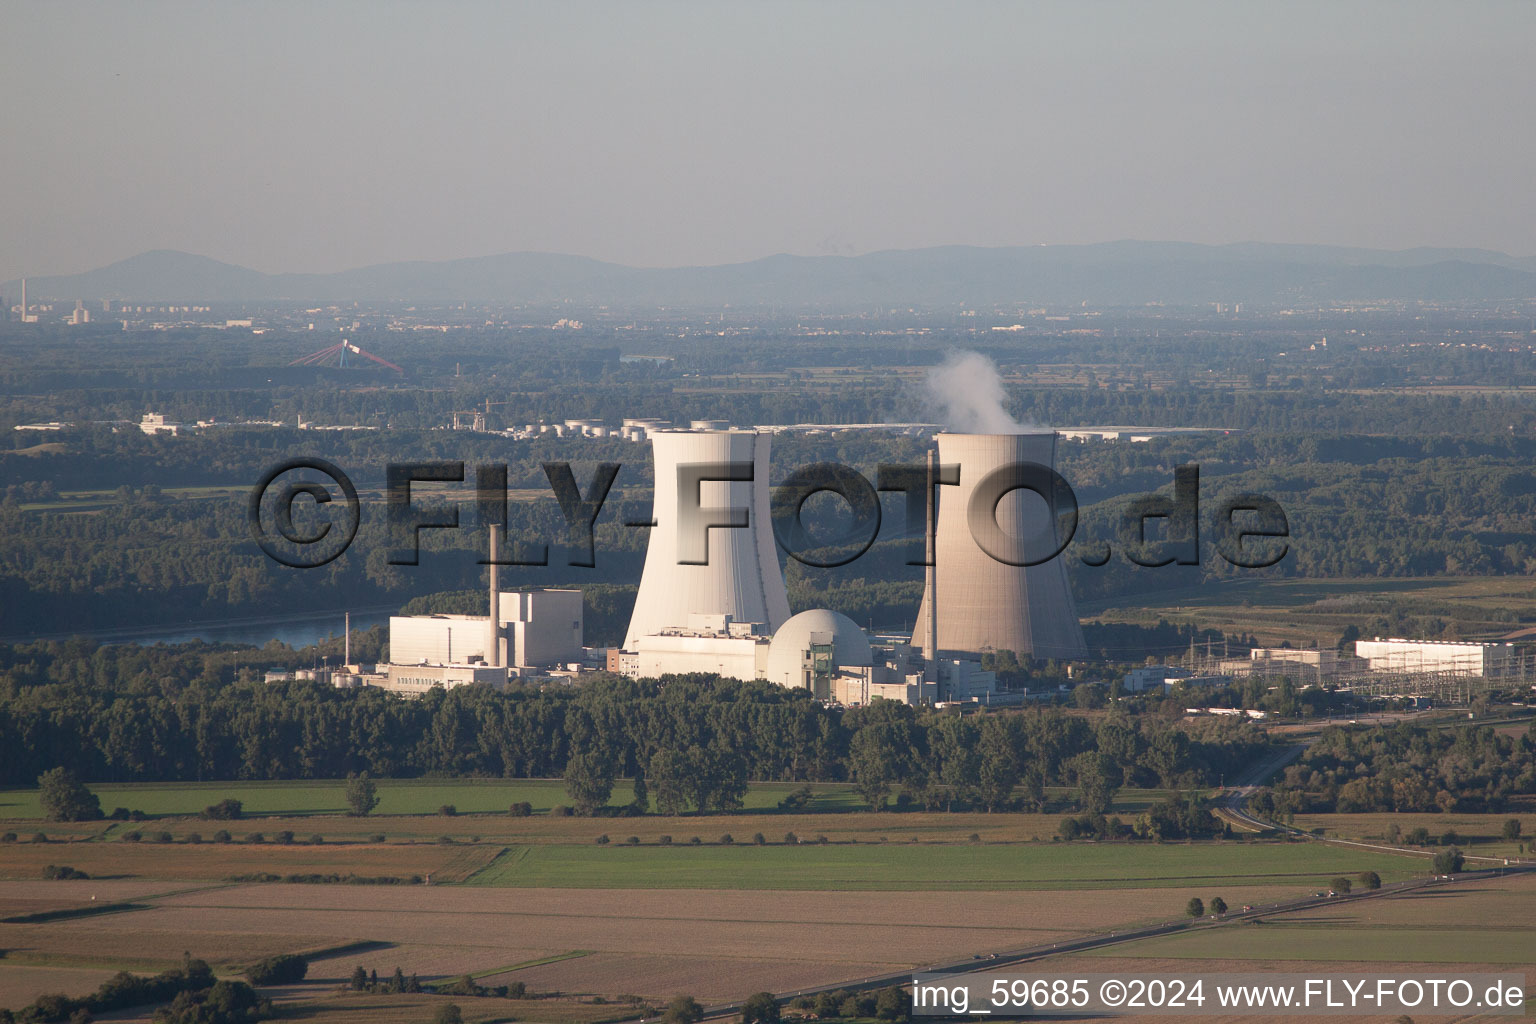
(294, 630)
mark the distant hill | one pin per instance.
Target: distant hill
(1107, 274)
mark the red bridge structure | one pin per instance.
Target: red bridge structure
(336, 355)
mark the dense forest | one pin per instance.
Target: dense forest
(1409, 767)
(187, 713)
(1400, 447)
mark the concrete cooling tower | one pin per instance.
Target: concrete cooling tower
(742, 577)
(984, 603)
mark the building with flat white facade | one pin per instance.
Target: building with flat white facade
(1309, 664)
(707, 643)
(415, 680)
(1441, 656)
(539, 628)
(436, 639)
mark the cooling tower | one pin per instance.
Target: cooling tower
(742, 577)
(984, 603)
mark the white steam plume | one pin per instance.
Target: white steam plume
(968, 394)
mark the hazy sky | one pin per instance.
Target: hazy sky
(319, 136)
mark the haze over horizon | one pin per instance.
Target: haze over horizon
(292, 138)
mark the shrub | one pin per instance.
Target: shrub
(57, 872)
(602, 840)
(445, 840)
(448, 1013)
(448, 811)
(974, 839)
(225, 810)
(695, 841)
(132, 837)
(1449, 837)
(790, 839)
(377, 837)
(194, 838)
(664, 840)
(223, 836)
(633, 840)
(255, 837)
(726, 840)
(9, 837)
(317, 840)
(284, 837)
(521, 809)
(758, 839)
(164, 837)
(821, 839)
(561, 811)
(136, 815)
(1449, 861)
(283, 969)
(1419, 836)
(39, 837)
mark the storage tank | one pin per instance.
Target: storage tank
(984, 603)
(742, 577)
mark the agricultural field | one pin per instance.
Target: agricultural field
(1479, 835)
(651, 942)
(1304, 611)
(911, 866)
(410, 797)
(217, 861)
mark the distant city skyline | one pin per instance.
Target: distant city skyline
(314, 138)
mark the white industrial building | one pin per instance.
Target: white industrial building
(539, 628)
(1438, 656)
(1318, 665)
(819, 650)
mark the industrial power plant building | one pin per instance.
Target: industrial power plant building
(984, 603)
(691, 570)
(535, 630)
(1447, 657)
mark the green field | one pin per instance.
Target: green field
(1274, 941)
(930, 866)
(302, 798)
